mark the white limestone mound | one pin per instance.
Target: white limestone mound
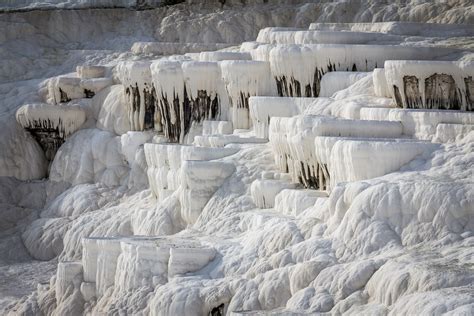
(262, 109)
(420, 124)
(91, 71)
(293, 202)
(264, 191)
(49, 124)
(244, 79)
(348, 160)
(171, 48)
(140, 96)
(339, 80)
(298, 69)
(90, 156)
(441, 85)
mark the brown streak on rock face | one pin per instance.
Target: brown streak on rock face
(314, 176)
(63, 96)
(469, 83)
(89, 93)
(413, 99)
(150, 104)
(441, 92)
(48, 136)
(398, 96)
(193, 110)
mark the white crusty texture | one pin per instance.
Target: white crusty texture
(339, 80)
(244, 79)
(20, 155)
(420, 124)
(348, 158)
(90, 156)
(307, 63)
(65, 118)
(113, 115)
(262, 109)
(135, 74)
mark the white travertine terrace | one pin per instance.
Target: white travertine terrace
(335, 81)
(418, 123)
(292, 141)
(431, 84)
(135, 77)
(381, 87)
(327, 37)
(399, 28)
(293, 202)
(64, 89)
(91, 71)
(244, 79)
(264, 191)
(298, 69)
(262, 109)
(50, 124)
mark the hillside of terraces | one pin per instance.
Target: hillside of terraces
(281, 158)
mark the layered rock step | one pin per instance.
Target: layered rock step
(292, 141)
(49, 124)
(87, 81)
(420, 124)
(129, 263)
(435, 85)
(354, 159)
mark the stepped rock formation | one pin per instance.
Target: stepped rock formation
(284, 157)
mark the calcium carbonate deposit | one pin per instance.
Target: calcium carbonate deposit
(231, 157)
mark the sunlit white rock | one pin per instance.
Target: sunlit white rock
(294, 202)
(332, 82)
(419, 123)
(264, 108)
(50, 124)
(264, 191)
(244, 79)
(348, 160)
(64, 89)
(90, 71)
(140, 96)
